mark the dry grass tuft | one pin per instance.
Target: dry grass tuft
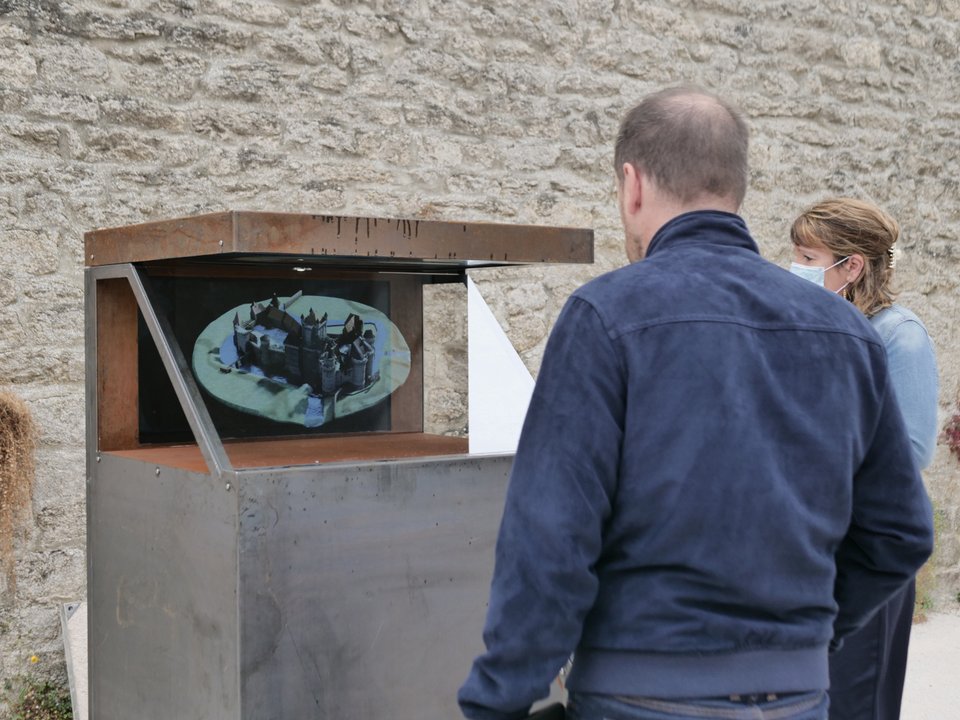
(18, 440)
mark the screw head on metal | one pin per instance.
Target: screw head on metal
(227, 487)
(156, 472)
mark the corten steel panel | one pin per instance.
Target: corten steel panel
(363, 589)
(115, 337)
(286, 452)
(162, 592)
(322, 236)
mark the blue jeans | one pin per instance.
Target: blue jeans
(798, 706)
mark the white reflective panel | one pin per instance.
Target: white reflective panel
(500, 385)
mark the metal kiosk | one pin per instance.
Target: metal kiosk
(270, 531)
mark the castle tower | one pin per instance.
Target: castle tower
(322, 328)
(309, 324)
(328, 374)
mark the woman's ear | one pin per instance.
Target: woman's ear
(854, 267)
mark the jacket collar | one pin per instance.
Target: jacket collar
(714, 227)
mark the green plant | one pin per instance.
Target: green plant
(42, 700)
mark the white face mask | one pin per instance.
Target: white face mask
(813, 273)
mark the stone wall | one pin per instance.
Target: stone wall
(122, 111)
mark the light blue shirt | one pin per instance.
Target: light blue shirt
(913, 373)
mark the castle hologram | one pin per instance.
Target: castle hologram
(282, 360)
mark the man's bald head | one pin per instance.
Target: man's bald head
(691, 143)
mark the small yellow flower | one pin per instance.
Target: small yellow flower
(34, 659)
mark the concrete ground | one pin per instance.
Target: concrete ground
(932, 689)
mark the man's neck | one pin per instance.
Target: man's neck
(665, 211)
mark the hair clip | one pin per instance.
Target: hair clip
(893, 254)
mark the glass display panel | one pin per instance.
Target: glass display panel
(445, 371)
(277, 356)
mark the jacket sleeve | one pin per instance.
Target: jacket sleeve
(913, 373)
(891, 528)
(558, 498)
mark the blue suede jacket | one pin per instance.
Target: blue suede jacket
(713, 481)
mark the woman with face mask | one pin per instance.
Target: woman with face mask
(847, 246)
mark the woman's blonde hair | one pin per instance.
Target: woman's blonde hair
(846, 226)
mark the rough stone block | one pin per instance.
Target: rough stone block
(473, 184)
(327, 133)
(580, 82)
(59, 497)
(64, 106)
(374, 28)
(257, 13)
(158, 72)
(19, 66)
(320, 16)
(207, 37)
(12, 32)
(217, 122)
(98, 25)
(444, 409)
(49, 577)
(61, 522)
(296, 47)
(526, 331)
(140, 112)
(12, 99)
(42, 136)
(67, 64)
(249, 81)
(527, 298)
(329, 79)
(121, 145)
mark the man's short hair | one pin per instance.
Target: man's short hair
(690, 142)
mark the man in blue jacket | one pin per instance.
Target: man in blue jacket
(713, 484)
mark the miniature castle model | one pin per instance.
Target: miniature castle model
(301, 351)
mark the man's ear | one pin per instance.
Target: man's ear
(631, 191)
(854, 267)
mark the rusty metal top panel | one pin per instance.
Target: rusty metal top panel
(359, 239)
